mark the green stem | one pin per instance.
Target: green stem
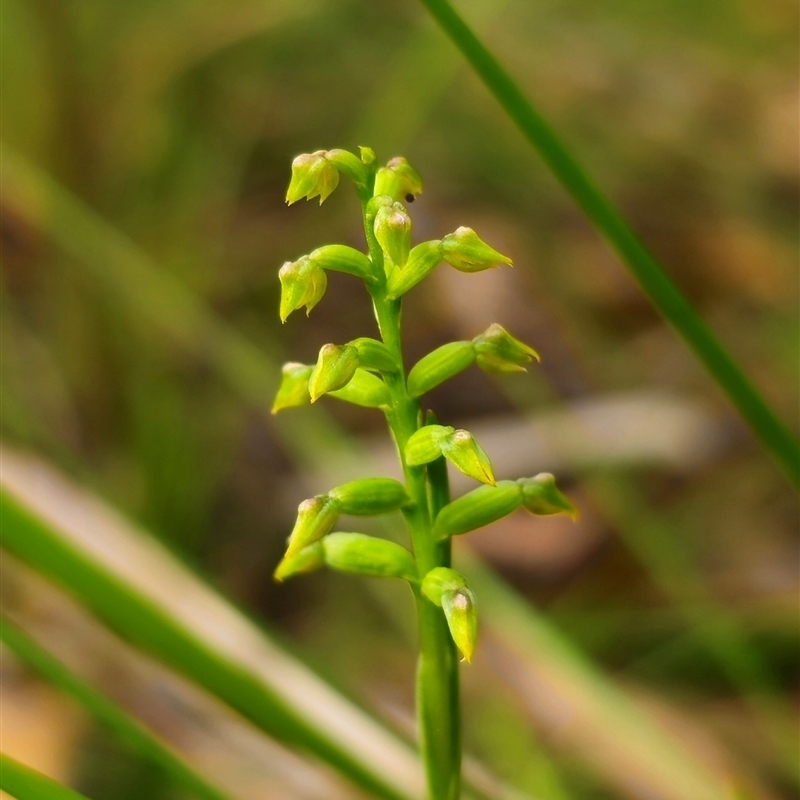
(438, 715)
(25, 783)
(646, 270)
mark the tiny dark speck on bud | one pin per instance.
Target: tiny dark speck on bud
(409, 198)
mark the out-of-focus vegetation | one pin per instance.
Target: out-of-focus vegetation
(143, 224)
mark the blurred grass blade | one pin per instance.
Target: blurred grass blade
(141, 593)
(114, 717)
(25, 783)
(620, 739)
(651, 277)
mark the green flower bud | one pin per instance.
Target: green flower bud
(393, 231)
(370, 496)
(335, 367)
(341, 258)
(306, 560)
(541, 496)
(374, 355)
(477, 508)
(422, 260)
(312, 175)
(467, 252)
(293, 390)
(399, 180)
(367, 155)
(426, 444)
(350, 165)
(457, 446)
(315, 519)
(447, 588)
(364, 389)
(368, 555)
(468, 456)
(438, 366)
(303, 283)
(497, 351)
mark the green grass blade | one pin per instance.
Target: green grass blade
(139, 619)
(115, 718)
(25, 783)
(649, 274)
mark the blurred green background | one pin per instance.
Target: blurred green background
(134, 312)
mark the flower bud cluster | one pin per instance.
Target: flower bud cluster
(362, 372)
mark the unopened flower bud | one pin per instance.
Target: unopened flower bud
(364, 389)
(457, 446)
(426, 444)
(468, 456)
(448, 589)
(341, 258)
(315, 519)
(541, 496)
(370, 496)
(303, 283)
(498, 351)
(349, 165)
(368, 555)
(467, 252)
(399, 180)
(438, 366)
(367, 155)
(335, 367)
(312, 176)
(393, 231)
(422, 260)
(306, 560)
(293, 390)
(477, 508)
(374, 355)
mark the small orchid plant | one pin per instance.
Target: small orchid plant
(370, 373)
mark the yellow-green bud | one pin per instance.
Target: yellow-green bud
(367, 155)
(368, 555)
(422, 260)
(497, 351)
(312, 176)
(467, 252)
(477, 508)
(303, 283)
(374, 355)
(341, 258)
(293, 390)
(541, 496)
(399, 180)
(438, 366)
(457, 446)
(448, 589)
(468, 456)
(370, 496)
(335, 367)
(393, 231)
(306, 560)
(315, 519)
(426, 444)
(350, 165)
(364, 389)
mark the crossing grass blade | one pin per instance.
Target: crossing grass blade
(643, 266)
(25, 783)
(113, 717)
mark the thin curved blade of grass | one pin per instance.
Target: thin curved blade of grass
(114, 717)
(155, 300)
(649, 274)
(25, 783)
(106, 572)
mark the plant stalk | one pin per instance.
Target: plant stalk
(437, 692)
